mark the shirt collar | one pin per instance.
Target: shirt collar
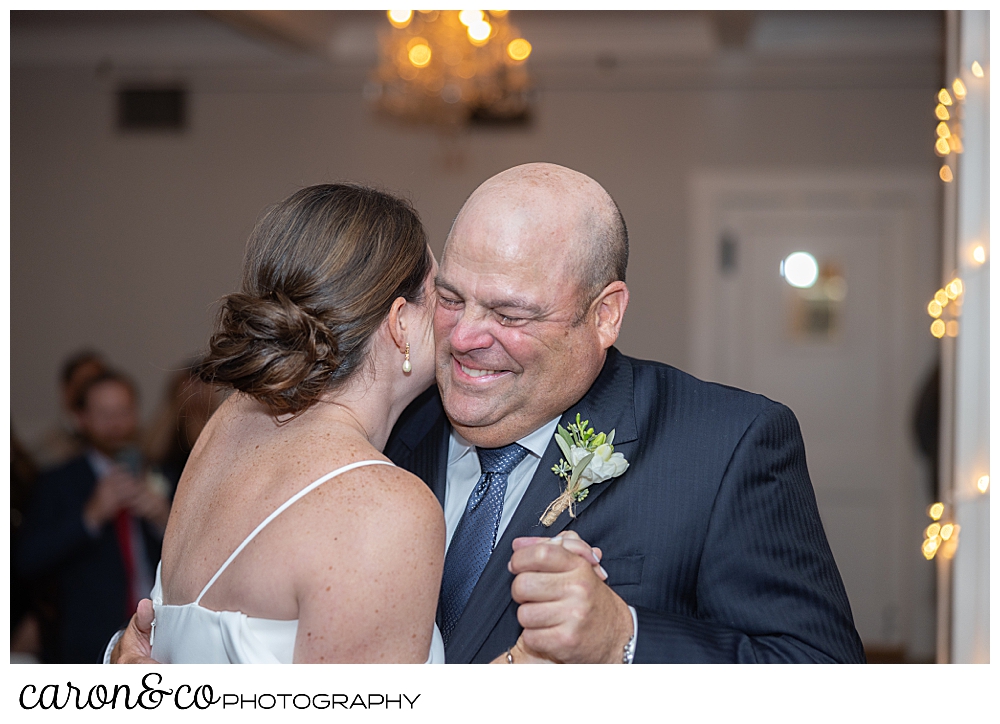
(534, 442)
(100, 463)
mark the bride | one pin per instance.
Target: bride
(292, 538)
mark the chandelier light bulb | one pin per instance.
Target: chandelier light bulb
(942, 130)
(942, 147)
(942, 112)
(468, 18)
(946, 175)
(977, 70)
(518, 49)
(983, 483)
(944, 97)
(480, 32)
(400, 18)
(959, 87)
(979, 254)
(420, 55)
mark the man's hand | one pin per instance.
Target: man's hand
(146, 502)
(134, 647)
(568, 613)
(109, 496)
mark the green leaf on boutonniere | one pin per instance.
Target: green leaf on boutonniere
(579, 468)
(564, 441)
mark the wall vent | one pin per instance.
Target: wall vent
(152, 109)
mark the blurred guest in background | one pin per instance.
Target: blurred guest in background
(187, 405)
(96, 523)
(63, 441)
(32, 609)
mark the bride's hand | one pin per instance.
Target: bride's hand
(519, 653)
(571, 541)
(134, 647)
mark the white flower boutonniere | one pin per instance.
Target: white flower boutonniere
(588, 458)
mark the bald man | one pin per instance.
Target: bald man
(710, 543)
(711, 539)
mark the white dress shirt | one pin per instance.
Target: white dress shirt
(464, 473)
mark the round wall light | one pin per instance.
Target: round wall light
(800, 269)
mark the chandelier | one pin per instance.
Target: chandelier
(446, 67)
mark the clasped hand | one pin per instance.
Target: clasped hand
(119, 490)
(568, 612)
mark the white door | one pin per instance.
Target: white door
(846, 353)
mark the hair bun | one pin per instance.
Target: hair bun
(272, 349)
(321, 271)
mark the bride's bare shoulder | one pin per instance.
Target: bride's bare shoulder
(376, 493)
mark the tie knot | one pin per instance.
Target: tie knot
(500, 459)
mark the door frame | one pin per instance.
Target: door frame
(911, 198)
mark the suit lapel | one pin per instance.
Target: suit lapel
(608, 405)
(430, 461)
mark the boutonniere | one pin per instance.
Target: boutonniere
(588, 458)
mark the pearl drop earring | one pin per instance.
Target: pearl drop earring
(407, 367)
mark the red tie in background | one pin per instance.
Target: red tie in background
(123, 528)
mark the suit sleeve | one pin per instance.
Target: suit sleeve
(768, 588)
(53, 528)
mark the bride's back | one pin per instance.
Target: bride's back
(244, 467)
(337, 282)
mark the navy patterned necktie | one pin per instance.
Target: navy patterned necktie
(476, 533)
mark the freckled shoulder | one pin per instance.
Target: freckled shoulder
(383, 493)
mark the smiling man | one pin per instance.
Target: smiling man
(531, 299)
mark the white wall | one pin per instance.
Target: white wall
(124, 242)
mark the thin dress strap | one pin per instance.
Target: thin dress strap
(305, 491)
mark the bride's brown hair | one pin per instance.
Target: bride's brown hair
(321, 271)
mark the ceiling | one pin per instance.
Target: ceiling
(609, 48)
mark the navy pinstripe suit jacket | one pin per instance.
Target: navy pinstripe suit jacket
(712, 534)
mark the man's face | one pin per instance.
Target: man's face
(83, 374)
(109, 419)
(510, 355)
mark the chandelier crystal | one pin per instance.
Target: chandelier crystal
(444, 67)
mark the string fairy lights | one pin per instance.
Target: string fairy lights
(945, 308)
(941, 535)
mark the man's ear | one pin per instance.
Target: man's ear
(609, 311)
(396, 323)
